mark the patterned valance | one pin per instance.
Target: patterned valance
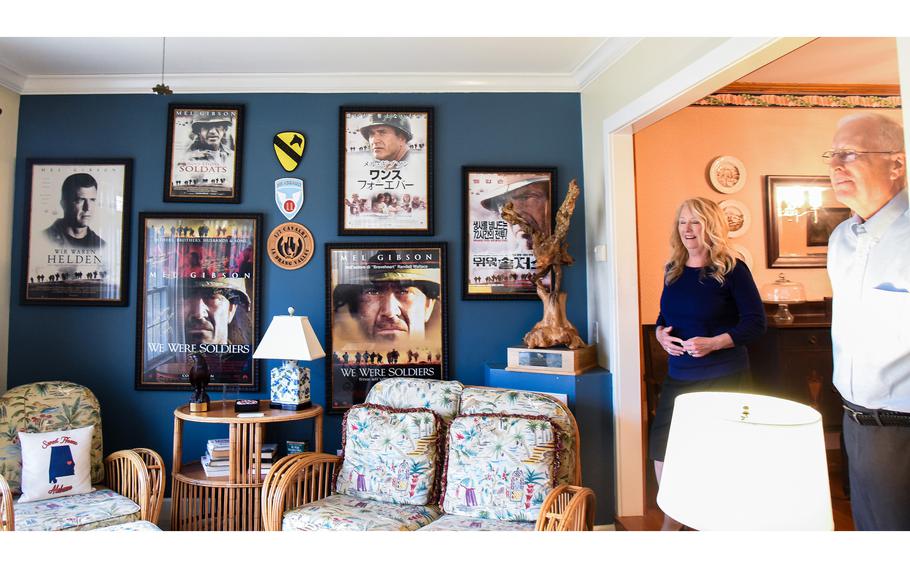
(799, 101)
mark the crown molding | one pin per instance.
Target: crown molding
(300, 83)
(11, 79)
(602, 58)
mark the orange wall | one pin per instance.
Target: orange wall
(671, 162)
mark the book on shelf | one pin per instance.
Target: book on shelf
(218, 449)
(214, 470)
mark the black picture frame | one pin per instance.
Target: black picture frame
(818, 232)
(185, 256)
(345, 328)
(371, 215)
(58, 270)
(496, 176)
(195, 171)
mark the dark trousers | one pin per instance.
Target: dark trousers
(879, 458)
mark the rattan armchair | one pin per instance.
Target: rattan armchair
(136, 474)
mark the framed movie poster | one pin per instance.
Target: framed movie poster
(77, 231)
(386, 171)
(198, 293)
(498, 257)
(386, 316)
(203, 153)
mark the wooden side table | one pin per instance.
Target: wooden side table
(231, 502)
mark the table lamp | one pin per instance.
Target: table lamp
(290, 338)
(783, 292)
(745, 462)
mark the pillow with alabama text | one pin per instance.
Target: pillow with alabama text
(56, 464)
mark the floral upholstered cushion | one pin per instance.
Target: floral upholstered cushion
(499, 466)
(345, 513)
(459, 523)
(439, 396)
(88, 511)
(134, 526)
(507, 401)
(390, 455)
(45, 407)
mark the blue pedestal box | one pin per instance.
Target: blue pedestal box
(590, 398)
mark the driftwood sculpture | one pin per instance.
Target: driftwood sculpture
(552, 254)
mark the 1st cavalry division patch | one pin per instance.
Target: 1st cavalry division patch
(289, 149)
(291, 246)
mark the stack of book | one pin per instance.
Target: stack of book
(216, 462)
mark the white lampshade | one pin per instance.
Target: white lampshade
(745, 462)
(290, 337)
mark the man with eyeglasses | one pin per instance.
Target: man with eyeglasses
(869, 267)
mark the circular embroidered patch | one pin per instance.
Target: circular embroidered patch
(291, 246)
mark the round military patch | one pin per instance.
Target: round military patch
(291, 245)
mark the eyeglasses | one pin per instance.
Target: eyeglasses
(847, 156)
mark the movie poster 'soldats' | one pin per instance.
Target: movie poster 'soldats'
(386, 316)
(198, 294)
(386, 177)
(499, 259)
(76, 226)
(204, 151)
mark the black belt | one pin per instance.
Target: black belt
(878, 417)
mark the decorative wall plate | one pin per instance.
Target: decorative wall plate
(738, 217)
(747, 256)
(727, 174)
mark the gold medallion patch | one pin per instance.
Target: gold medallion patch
(291, 246)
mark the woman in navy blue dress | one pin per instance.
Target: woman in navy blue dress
(709, 309)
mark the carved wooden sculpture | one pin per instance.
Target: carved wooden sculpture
(552, 254)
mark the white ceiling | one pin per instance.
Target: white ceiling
(127, 65)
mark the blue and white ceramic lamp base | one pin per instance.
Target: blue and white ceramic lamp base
(290, 387)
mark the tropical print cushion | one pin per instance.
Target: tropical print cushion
(132, 527)
(499, 466)
(45, 407)
(88, 511)
(390, 454)
(439, 396)
(507, 401)
(345, 513)
(459, 523)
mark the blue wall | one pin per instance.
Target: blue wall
(96, 346)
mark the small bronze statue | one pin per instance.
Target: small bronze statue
(552, 254)
(199, 379)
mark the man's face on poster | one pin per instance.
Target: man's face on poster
(390, 311)
(210, 135)
(387, 143)
(532, 203)
(79, 206)
(207, 313)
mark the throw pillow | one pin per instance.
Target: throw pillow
(55, 464)
(499, 466)
(390, 454)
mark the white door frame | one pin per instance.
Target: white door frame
(726, 63)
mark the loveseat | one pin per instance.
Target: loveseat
(133, 480)
(435, 455)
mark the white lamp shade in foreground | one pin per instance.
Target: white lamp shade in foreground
(290, 338)
(745, 462)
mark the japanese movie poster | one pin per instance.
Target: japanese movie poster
(387, 316)
(78, 216)
(203, 153)
(198, 293)
(499, 259)
(387, 171)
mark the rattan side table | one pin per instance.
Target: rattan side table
(232, 502)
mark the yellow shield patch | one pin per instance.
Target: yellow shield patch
(289, 149)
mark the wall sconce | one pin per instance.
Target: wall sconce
(797, 200)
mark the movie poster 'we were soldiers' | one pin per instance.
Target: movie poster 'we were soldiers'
(199, 288)
(387, 316)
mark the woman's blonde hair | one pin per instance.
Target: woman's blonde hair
(721, 257)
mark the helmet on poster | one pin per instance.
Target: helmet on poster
(210, 122)
(396, 120)
(234, 289)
